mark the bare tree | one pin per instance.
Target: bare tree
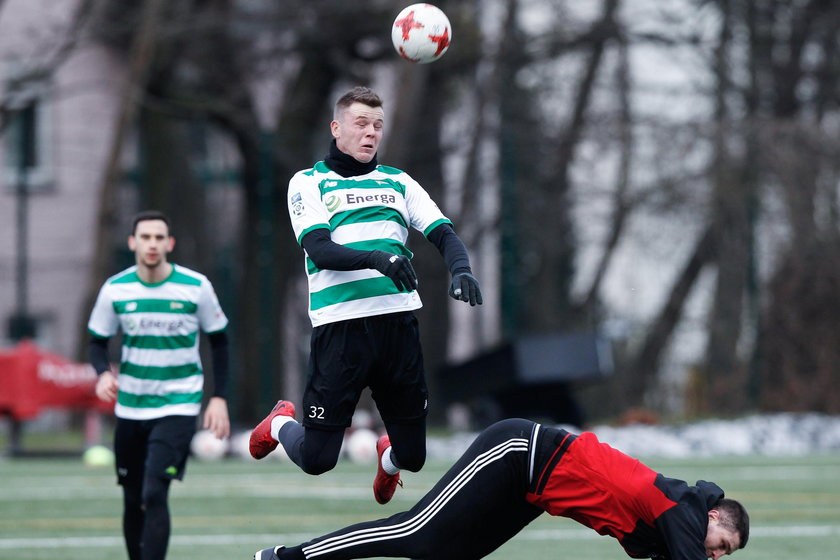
(57, 54)
(622, 202)
(207, 53)
(548, 313)
(139, 62)
(787, 157)
(732, 195)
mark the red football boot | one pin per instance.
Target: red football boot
(384, 485)
(261, 442)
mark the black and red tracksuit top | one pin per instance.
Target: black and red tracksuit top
(614, 494)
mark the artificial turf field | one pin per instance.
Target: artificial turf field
(58, 509)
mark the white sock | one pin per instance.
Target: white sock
(277, 422)
(388, 463)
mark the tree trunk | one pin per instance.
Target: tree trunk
(621, 205)
(104, 237)
(723, 371)
(644, 366)
(551, 308)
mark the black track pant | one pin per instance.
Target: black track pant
(478, 505)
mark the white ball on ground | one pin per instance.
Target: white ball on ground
(207, 447)
(98, 456)
(239, 443)
(360, 446)
(362, 418)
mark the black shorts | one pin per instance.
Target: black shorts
(381, 352)
(157, 447)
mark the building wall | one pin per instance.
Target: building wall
(78, 101)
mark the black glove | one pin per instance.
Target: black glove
(396, 267)
(465, 287)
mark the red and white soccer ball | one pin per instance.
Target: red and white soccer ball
(421, 33)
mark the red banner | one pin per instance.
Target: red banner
(32, 379)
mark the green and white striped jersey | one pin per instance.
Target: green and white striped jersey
(365, 212)
(160, 368)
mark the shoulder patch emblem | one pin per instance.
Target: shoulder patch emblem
(296, 202)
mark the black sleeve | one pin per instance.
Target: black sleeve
(98, 354)
(451, 248)
(327, 254)
(684, 531)
(219, 348)
(684, 525)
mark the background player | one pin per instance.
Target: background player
(160, 308)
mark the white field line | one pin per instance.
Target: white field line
(272, 485)
(185, 489)
(257, 540)
(49, 483)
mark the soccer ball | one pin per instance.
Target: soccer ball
(239, 445)
(360, 446)
(98, 456)
(207, 447)
(421, 33)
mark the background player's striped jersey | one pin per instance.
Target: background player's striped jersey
(365, 212)
(160, 368)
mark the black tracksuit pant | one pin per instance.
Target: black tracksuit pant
(478, 505)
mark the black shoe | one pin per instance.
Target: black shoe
(267, 553)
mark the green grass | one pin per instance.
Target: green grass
(58, 508)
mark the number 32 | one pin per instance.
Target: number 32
(316, 412)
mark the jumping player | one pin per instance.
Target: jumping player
(517, 469)
(352, 217)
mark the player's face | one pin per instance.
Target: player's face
(151, 243)
(358, 131)
(719, 540)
